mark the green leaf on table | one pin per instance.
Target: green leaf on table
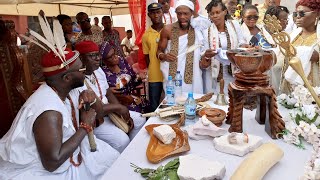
(172, 164)
(167, 172)
(173, 175)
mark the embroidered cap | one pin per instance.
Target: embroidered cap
(154, 6)
(52, 64)
(58, 58)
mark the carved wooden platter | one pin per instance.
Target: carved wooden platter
(214, 115)
(157, 151)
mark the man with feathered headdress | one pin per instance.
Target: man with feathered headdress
(47, 139)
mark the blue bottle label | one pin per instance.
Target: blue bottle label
(190, 110)
(170, 90)
(178, 83)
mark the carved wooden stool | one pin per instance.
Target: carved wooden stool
(252, 81)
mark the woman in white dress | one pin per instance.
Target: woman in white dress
(222, 35)
(306, 40)
(251, 31)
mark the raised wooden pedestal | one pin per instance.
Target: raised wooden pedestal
(267, 109)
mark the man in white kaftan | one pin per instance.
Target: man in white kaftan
(96, 80)
(197, 85)
(19, 157)
(107, 131)
(165, 46)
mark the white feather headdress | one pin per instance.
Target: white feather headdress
(53, 39)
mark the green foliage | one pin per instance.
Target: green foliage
(286, 105)
(304, 118)
(167, 172)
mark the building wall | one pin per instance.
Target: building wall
(21, 22)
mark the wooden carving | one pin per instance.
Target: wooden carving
(34, 57)
(14, 71)
(252, 81)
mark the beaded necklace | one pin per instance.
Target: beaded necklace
(97, 82)
(75, 125)
(165, 20)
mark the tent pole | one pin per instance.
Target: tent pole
(59, 8)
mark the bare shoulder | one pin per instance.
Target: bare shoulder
(166, 31)
(48, 119)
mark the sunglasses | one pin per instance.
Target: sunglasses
(301, 13)
(252, 17)
(85, 20)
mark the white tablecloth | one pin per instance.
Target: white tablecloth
(290, 167)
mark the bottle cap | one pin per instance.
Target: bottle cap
(169, 78)
(190, 95)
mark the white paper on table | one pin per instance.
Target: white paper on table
(222, 56)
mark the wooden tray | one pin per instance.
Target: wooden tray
(157, 151)
(214, 115)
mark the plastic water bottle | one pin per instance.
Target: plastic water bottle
(178, 84)
(170, 91)
(190, 107)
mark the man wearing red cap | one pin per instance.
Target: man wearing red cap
(47, 138)
(96, 80)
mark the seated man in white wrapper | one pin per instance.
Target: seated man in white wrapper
(97, 81)
(175, 39)
(47, 140)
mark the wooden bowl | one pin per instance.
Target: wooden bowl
(248, 63)
(267, 59)
(157, 151)
(216, 116)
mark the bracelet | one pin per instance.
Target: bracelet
(159, 55)
(85, 126)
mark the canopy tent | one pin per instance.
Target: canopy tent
(69, 7)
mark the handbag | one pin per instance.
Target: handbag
(119, 122)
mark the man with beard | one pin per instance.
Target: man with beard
(96, 80)
(169, 14)
(150, 41)
(47, 139)
(86, 33)
(175, 39)
(231, 6)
